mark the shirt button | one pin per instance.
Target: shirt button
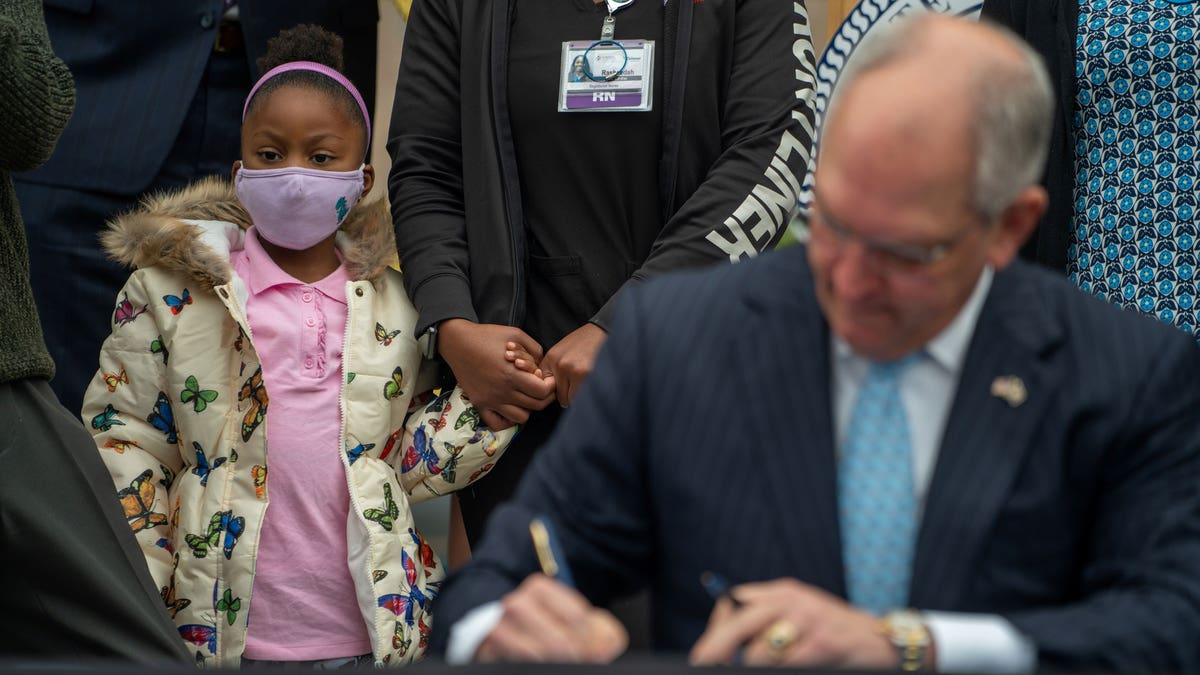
(310, 321)
(309, 363)
(206, 21)
(306, 296)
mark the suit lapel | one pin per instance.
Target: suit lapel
(786, 376)
(987, 437)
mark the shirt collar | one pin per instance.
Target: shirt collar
(948, 348)
(261, 273)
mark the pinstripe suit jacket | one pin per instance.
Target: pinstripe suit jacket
(704, 441)
(137, 67)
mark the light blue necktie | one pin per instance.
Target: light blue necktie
(876, 503)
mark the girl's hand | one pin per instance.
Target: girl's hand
(521, 359)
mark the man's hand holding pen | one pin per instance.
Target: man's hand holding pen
(545, 619)
(786, 622)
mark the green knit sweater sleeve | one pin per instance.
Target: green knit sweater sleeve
(38, 93)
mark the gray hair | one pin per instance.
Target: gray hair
(1014, 108)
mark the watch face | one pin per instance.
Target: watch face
(907, 626)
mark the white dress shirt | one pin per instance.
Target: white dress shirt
(979, 643)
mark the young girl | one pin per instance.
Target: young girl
(262, 404)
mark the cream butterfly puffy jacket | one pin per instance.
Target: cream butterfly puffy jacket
(180, 413)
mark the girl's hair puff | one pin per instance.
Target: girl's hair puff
(306, 42)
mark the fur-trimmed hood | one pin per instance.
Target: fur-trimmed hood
(185, 231)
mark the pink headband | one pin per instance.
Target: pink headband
(316, 68)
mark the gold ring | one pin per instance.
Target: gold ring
(781, 635)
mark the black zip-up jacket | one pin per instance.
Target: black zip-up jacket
(736, 137)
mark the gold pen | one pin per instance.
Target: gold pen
(549, 555)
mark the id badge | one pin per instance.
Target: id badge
(606, 76)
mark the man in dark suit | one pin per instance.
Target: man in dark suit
(160, 92)
(747, 422)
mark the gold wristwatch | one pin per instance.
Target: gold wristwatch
(907, 631)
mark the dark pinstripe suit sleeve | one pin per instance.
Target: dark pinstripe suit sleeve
(1139, 589)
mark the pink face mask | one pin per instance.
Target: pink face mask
(294, 207)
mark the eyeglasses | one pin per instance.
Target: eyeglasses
(890, 255)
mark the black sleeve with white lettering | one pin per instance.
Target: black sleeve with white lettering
(748, 194)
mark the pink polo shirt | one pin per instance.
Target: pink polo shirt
(303, 604)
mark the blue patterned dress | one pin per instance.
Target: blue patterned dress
(1136, 164)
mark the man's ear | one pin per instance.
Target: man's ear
(1015, 225)
(237, 165)
(368, 179)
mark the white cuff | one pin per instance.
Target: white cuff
(979, 643)
(470, 631)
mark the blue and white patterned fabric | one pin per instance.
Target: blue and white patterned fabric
(1136, 166)
(876, 501)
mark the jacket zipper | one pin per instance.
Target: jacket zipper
(235, 308)
(372, 629)
(501, 17)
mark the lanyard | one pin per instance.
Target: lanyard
(610, 23)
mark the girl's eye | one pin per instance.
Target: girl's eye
(270, 155)
(321, 158)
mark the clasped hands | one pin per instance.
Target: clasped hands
(504, 372)
(780, 622)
